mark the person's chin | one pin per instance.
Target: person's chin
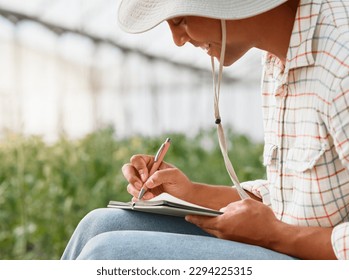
(227, 61)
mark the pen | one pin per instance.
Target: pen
(157, 162)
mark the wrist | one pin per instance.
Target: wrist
(281, 236)
(212, 196)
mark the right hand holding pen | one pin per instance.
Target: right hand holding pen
(167, 179)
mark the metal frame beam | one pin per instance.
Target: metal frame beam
(16, 17)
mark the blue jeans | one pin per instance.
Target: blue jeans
(127, 235)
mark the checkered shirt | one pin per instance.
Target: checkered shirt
(306, 124)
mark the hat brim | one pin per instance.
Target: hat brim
(137, 16)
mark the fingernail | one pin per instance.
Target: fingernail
(146, 185)
(144, 177)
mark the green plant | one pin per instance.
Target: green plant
(45, 189)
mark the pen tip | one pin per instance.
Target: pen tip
(141, 193)
(168, 140)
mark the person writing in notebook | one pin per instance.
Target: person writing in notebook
(302, 209)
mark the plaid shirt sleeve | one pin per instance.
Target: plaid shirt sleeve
(340, 241)
(259, 188)
(338, 121)
(305, 103)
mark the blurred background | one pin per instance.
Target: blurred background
(79, 97)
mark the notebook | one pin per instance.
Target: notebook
(165, 204)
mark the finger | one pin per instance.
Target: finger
(213, 232)
(165, 165)
(135, 193)
(131, 175)
(153, 182)
(205, 226)
(208, 224)
(148, 195)
(132, 190)
(142, 163)
(236, 205)
(204, 222)
(164, 176)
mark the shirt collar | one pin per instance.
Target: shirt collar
(300, 51)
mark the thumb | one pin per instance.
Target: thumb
(153, 181)
(164, 176)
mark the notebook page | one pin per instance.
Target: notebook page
(171, 198)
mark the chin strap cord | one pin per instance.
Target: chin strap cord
(218, 121)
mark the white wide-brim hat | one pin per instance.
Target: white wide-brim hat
(136, 16)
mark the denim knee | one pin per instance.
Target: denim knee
(97, 219)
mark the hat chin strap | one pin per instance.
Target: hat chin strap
(220, 131)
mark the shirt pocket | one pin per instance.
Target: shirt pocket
(269, 154)
(304, 156)
(270, 161)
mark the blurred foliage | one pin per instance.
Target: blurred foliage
(46, 189)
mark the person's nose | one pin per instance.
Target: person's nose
(180, 37)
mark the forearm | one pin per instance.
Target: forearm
(213, 196)
(303, 242)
